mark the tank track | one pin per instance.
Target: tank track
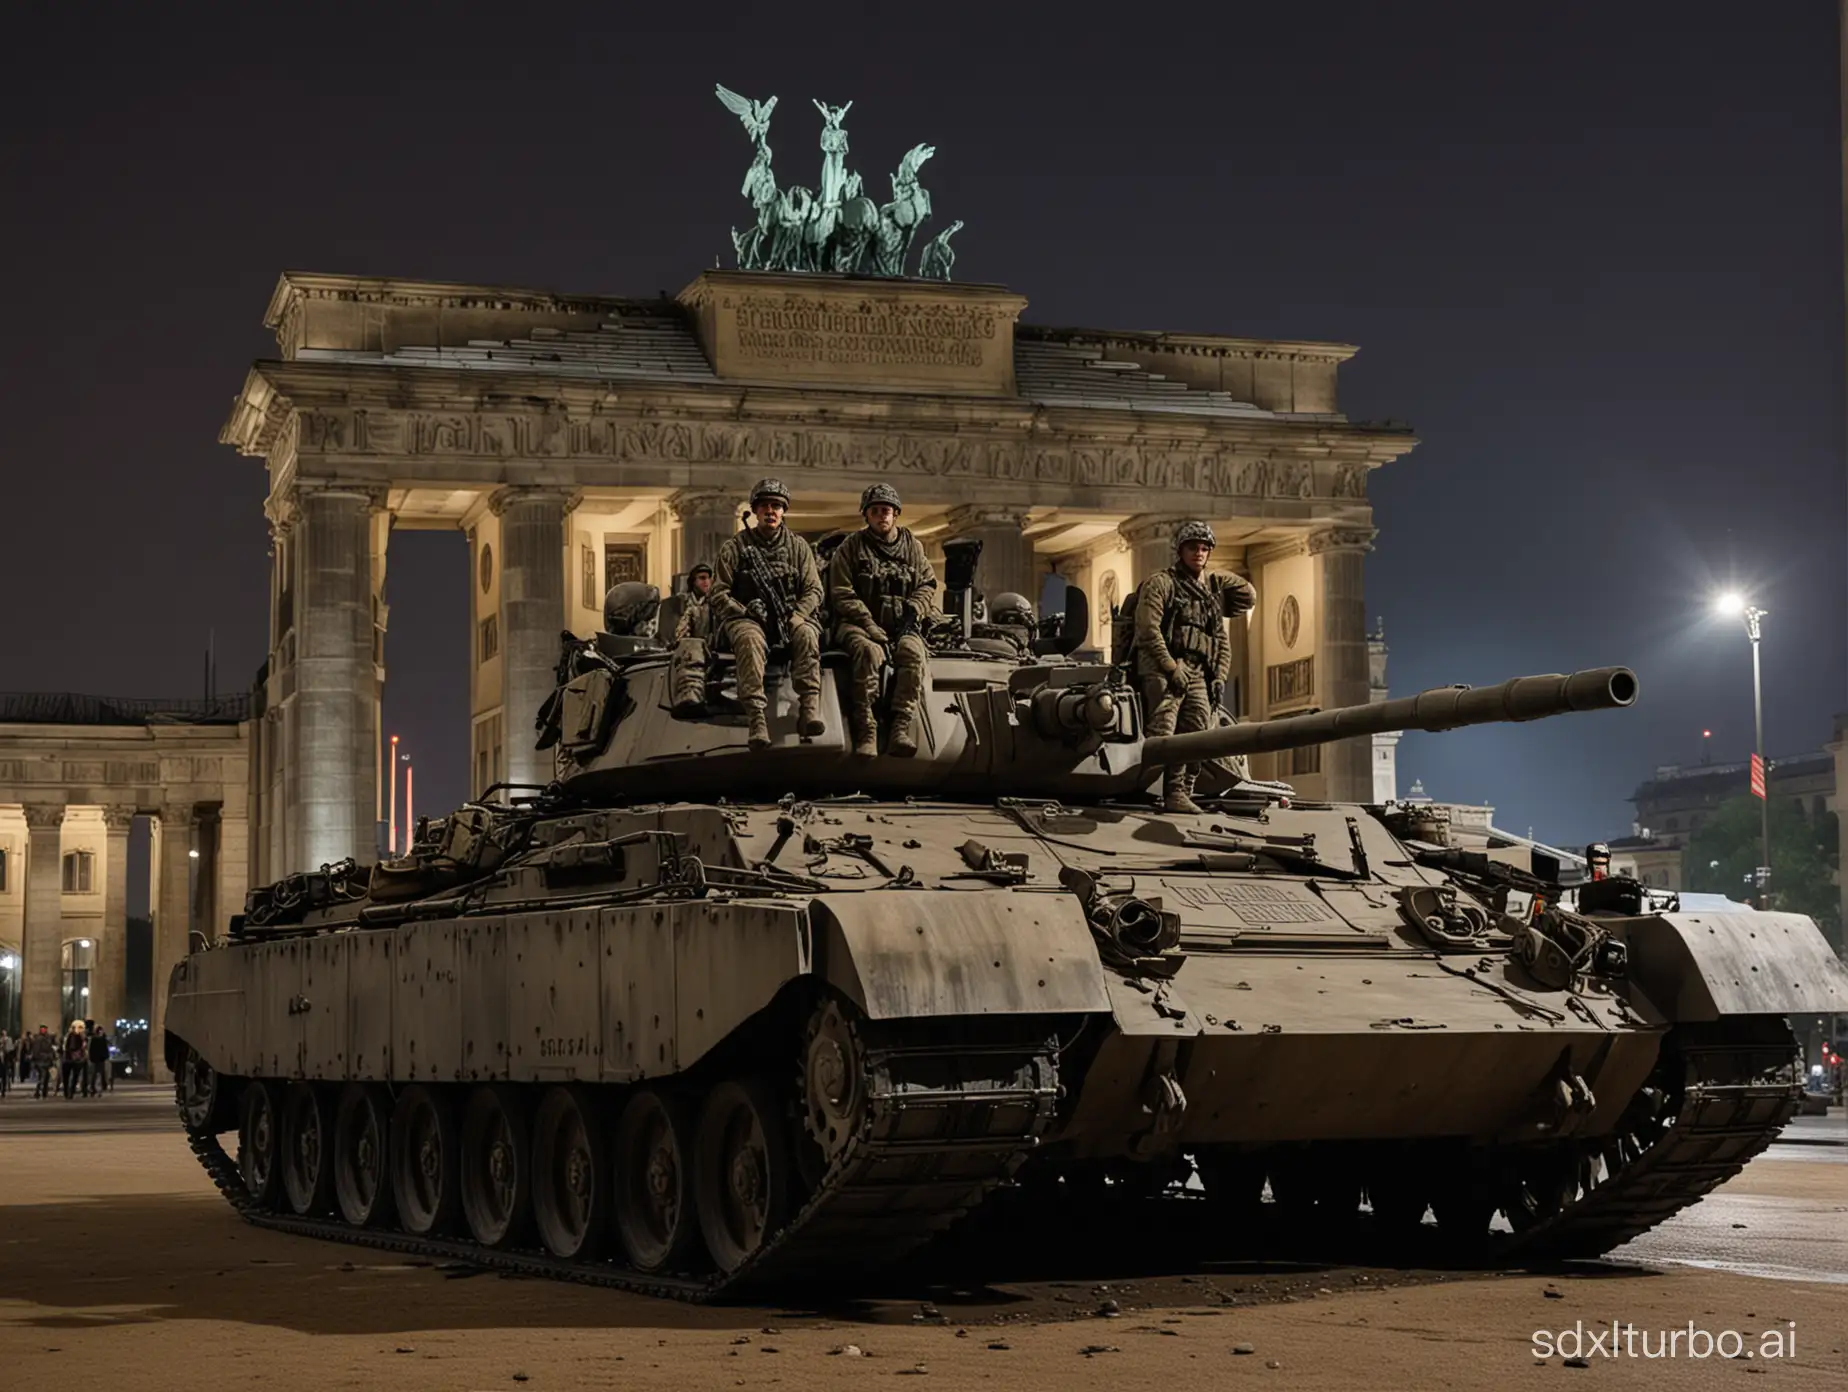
(1737, 1090)
(944, 1124)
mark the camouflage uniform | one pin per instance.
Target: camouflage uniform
(692, 650)
(1182, 656)
(792, 563)
(877, 588)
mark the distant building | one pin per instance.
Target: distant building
(1677, 802)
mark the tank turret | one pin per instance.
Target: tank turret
(991, 726)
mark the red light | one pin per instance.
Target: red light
(1706, 734)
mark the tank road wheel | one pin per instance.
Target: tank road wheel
(654, 1182)
(833, 1082)
(1542, 1188)
(426, 1171)
(259, 1139)
(307, 1156)
(571, 1172)
(741, 1171)
(496, 1167)
(362, 1131)
(196, 1089)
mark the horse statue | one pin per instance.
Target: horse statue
(937, 259)
(900, 219)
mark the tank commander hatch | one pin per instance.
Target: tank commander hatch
(883, 591)
(692, 644)
(766, 593)
(1182, 656)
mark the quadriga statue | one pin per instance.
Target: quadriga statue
(699, 1017)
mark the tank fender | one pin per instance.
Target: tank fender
(206, 1008)
(1696, 967)
(959, 952)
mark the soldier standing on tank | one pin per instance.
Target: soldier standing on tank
(1182, 656)
(693, 644)
(883, 592)
(791, 566)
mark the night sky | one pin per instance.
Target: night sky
(1592, 252)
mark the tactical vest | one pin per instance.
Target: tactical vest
(883, 575)
(1191, 626)
(779, 560)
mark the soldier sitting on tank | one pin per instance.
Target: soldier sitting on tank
(692, 644)
(1008, 629)
(770, 553)
(630, 609)
(1182, 656)
(883, 592)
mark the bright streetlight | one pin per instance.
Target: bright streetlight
(1734, 605)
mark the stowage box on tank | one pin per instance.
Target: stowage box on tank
(697, 1017)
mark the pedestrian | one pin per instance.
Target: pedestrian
(75, 1055)
(96, 1079)
(6, 1060)
(44, 1054)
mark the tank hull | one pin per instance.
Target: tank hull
(825, 1032)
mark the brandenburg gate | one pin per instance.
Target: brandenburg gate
(582, 440)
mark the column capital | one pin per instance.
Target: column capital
(706, 503)
(1358, 540)
(968, 517)
(177, 814)
(44, 816)
(373, 495)
(118, 815)
(517, 494)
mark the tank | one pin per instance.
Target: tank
(699, 1020)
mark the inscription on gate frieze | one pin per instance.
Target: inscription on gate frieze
(917, 335)
(796, 329)
(1202, 469)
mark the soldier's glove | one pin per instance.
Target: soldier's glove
(877, 634)
(1177, 680)
(758, 610)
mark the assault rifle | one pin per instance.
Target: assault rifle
(778, 618)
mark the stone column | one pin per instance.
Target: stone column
(334, 742)
(532, 613)
(1007, 562)
(109, 978)
(233, 865)
(1340, 552)
(706, 519)
(40, 964)
(172, 918)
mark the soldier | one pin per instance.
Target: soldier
(1182, 657)
(692, 640)
(883, 592)
(745, 613)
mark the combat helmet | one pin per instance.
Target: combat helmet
(1015, 610)
(880, 493)
(631, 609)
(1193, 530)
(770, 488)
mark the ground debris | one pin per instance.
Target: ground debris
(1092, 1350)
(846, 1351)
(1244, 1348)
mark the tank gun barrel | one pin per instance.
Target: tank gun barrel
(1442, 708)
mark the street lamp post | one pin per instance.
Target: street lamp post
(1738, 605)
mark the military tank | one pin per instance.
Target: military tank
(694, 1019)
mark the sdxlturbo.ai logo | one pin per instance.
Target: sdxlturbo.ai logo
(1620, 1340)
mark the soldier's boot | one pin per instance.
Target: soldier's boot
(689, 708)
(1176, 790)
(865, 732)
(759, 736)
(808, 720)
(902, 743)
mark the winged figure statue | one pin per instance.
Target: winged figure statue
(754, 114)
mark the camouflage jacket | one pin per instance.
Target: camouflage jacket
(870, 582)
(791, 561)
(695, 617)
(1181, 619)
